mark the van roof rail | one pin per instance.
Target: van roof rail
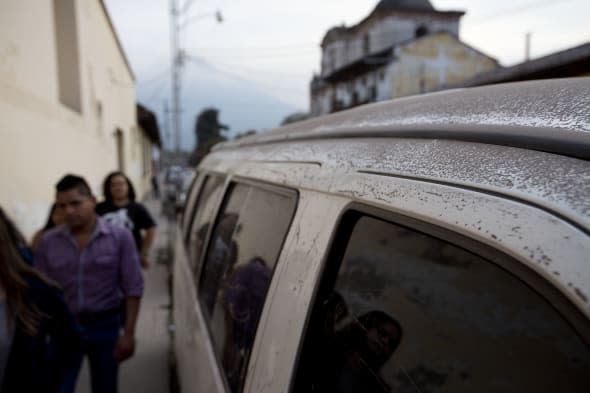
(547, 115)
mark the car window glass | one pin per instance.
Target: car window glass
(243, 250)
(191, 199)
(208, 201)
(407, 312)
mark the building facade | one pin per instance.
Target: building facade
(568, 63)
(402, 47)
(67, 104)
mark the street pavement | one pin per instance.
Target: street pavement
(148, 371)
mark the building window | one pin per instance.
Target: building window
(332, 59)
(400, 310)
(67, 54)
(366, 44)
(372, 93)
(200, 222)
(421, 31)
(120, 144)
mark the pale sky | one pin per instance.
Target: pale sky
(272, 51)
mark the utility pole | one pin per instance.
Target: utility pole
(178, 58)
(177, 62)
(167, 135)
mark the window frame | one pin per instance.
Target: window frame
(342, 233)
(185, 241)
(263, 185)
(191, 200)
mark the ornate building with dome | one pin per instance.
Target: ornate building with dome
(403, 47)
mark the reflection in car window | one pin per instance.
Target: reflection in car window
(243, 250)
(207, 202)
(191, 199)
(407, 312)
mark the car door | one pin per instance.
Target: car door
(416, 286)
(236, 250)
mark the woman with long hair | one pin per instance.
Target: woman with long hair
(120, 208)
(37, 332)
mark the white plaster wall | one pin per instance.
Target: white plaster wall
(384, 84)
(435, 62)
(43, 139)
(390, 31)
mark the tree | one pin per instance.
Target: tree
(295, 117)
(208, 132)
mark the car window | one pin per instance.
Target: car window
(208, 200)
(402, 311)
(242, 253)
(191, 199)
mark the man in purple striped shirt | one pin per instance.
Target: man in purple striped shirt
(98, 268)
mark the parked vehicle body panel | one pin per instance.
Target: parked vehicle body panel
(499, 173)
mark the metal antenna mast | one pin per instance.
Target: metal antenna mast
(177, 62)
(178, 58)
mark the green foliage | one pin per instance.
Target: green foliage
(208, 131)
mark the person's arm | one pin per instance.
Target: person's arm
(126, 344)
(132, 288)
(145, 222)
(146, 244)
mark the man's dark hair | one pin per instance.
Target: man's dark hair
(73, 182)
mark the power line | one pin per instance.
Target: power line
(155, 77)
(258, 56)
(157, 92)
(265, 71)
(491, 17)
(262, 48)
(202, 62)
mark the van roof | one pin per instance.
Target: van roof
(547, 115)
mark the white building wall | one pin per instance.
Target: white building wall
(42, 139)
(390, 31)
(385, 82)
(383, 33)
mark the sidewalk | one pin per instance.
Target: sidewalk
(148, 370)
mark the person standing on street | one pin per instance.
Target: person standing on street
(120, 208)
(98, 267)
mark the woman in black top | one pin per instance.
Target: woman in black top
(121, 209)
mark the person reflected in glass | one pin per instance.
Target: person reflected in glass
(221, 257)
(244, 298)
(324, 364)
(366, 345)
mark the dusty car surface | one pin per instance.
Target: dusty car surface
(437, 243)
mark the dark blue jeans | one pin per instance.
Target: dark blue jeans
(99, 340)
